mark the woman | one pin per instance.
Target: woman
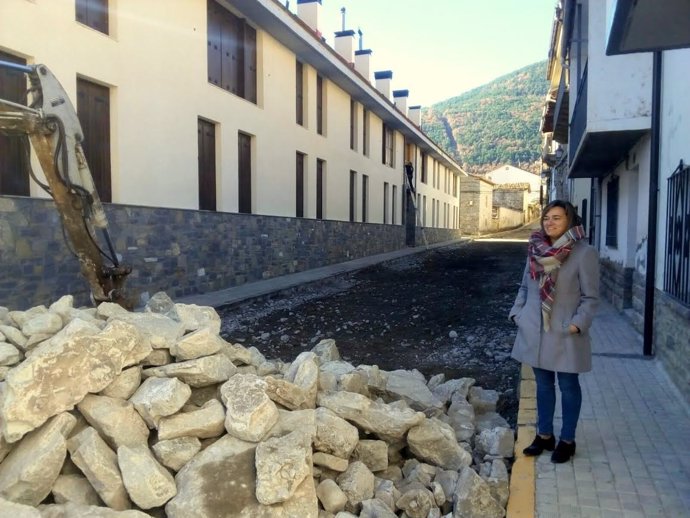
(553, 310)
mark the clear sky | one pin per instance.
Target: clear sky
(441, 48)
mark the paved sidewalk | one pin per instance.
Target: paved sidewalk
(632, 458)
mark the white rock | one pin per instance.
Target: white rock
(59, 375)
(99, 464)
(14, 336)
(15, 510)
(203, 342)
(124, 384)
(9, 354)
(45, 323)
(334, 435)
(250, 413)
(75, 489)
(434, 441)
(331, 496)
(160, 397)
(195, 317)
(148, 483)
(472, 498)
(29, 471)
(200, 372)
(175, 453)
(204, 423)
(358, 484)
(282, 463)
(115, 419)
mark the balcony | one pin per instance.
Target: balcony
(600, 137)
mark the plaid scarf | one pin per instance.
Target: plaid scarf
(544, 261)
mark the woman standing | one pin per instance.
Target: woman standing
(553, 310)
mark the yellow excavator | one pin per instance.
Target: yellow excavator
(50, 122)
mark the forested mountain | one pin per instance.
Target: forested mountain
(494, 124)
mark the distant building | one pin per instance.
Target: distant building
(507, 174)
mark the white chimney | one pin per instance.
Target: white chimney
(383, 82)
(363, 63)
(400, 100)
(345, 45)
(309, 11)
(414, 113)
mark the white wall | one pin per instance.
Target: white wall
(619, 87)
(154, 62)
(675, 136)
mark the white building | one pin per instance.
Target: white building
(230, 106)
(629, 135)
(507, 174)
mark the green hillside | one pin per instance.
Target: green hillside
(494, 124)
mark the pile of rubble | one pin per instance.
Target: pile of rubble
(105, 412)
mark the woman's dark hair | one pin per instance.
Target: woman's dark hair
(570, 213)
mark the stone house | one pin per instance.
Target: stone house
(228, 140)
(620, 116)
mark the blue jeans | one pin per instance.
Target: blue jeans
(571, 401)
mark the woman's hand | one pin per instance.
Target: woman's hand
(573, 329)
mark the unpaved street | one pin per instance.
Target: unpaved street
(439, 311)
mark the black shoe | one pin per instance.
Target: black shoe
(563, 452)
(539, 444)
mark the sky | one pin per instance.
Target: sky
(438, 49)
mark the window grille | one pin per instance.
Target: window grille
(677, 267)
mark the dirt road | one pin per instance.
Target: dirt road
(439, 311)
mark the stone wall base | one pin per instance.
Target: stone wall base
(181, 252)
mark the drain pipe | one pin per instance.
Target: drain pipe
(648, 336)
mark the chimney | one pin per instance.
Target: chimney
(363, 63)
(400, 100)
(383, 82)
(345, 45)
(309, 11)
(414, 113)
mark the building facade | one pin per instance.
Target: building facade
(626, 133)
(227, 107)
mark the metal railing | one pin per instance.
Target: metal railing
(677, 267)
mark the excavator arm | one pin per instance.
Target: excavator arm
(51, 124)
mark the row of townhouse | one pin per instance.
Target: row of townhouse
(230, 142)
(617, 139)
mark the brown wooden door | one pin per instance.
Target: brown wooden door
(14, 175)
(207, 165)
(93, 107)
(244, 172)
(299, 185)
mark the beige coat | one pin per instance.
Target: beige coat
(576, 299)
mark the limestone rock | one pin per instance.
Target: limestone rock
(63, 307)
(175, 453)
(75, 489)
(330, 461)
(219, 481)
(375, 508)
(18, 318)
(372, 453)
(326, 350)
(386, 421)
(200, 372)
(461, 419)
(195, 317)
(483, 400)
(116, 420)
(434, 442)
(160, 397)
(332, 498)
(99, 464)
(250, 413)
(45, 323)
(417, 503)
(497, 441)
(472, 498)
(206, 422)
(412, 388)
(289, 421)
(488, 421)
(161, 330)
(203, 342)
(124, 384)
(29, 471)
(14, 336)
(15, 510)
(358, 484)
(9, 354)
(147, 482)
(282, 463)
(162, 304)
(453, 389)
(334, 434)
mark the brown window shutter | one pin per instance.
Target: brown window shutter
(249, 63)
(214, 48)
(207, 165)
(93, 106)
(14, 176)
(244, 173)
